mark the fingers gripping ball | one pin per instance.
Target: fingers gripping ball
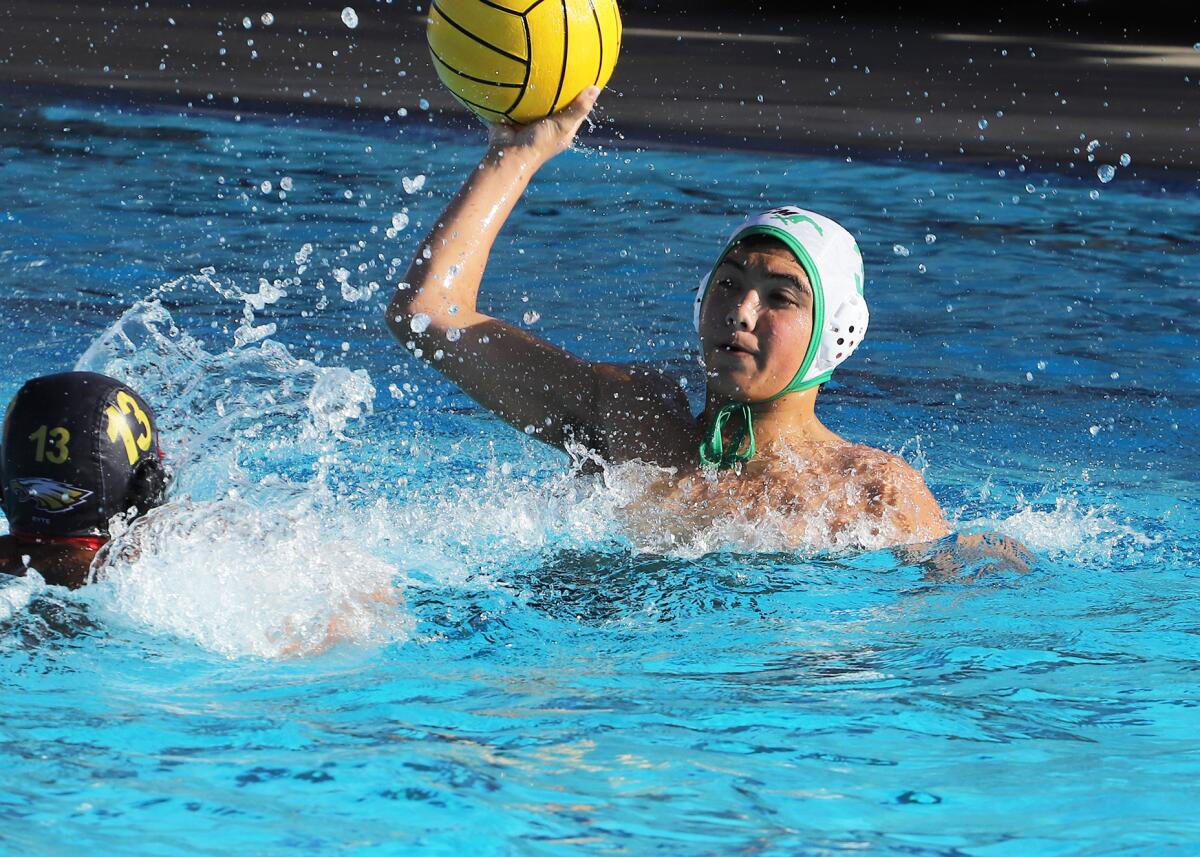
(521, 60)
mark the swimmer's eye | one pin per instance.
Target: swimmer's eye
(784, 298)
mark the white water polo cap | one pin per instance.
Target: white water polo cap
(834, 265)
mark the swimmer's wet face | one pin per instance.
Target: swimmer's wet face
(756, 321)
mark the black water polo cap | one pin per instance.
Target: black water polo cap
(77, 449)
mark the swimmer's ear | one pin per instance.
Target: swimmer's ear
(148, 487)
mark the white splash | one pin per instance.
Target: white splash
(16, 593)
(255, 554)
(1067, 530)
(241, 579)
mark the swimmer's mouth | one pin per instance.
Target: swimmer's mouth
(734, 348)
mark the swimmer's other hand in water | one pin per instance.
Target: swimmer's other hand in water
(969, 557)
(542, 140)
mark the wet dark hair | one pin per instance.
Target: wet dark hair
(759, 241)
(78, 448)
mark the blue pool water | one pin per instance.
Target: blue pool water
(522, 671)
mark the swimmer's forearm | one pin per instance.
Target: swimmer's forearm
(448, 268)
(444, 278)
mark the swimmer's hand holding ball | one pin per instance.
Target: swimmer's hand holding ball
(517, 61)
(541, 140)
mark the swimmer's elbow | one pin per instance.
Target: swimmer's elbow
(400, 312)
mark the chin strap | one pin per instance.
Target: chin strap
(712, 448)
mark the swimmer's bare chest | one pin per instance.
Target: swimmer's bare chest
(825, 495)
(800, 482)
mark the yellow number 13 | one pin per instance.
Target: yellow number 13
(118, 426)
(57, 439)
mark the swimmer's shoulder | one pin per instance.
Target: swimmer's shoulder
(643, 413)
(59, 566)
(10, 557)
(893, 488)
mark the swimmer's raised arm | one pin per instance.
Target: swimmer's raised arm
(525, 380)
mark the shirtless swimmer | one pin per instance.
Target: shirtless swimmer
(782, 307)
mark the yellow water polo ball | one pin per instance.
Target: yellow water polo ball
(520, 60)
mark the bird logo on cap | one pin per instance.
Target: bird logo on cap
(49, 495)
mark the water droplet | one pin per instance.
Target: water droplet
(412, 185)
(1125, 159)
(1094, 430)
(1105, 172)
(759, 98)
(453, 334)
(900, 250)
(285, 183)
(399, 220)
(921, 269)
(247, 23)
(268, 19)
(930, 238)
(265, 187)
(1115, 375)
(423, 104)
(350, 17)
(420, 322)
(531, 317)
(1029, 188)
(1093, 145)
(983, 123)
(1196, 46)
(917, 120)
(1041, 364)
(1094, 194)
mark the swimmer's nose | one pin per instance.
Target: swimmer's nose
(743, 314)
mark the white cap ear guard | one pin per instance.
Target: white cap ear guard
(833, 262)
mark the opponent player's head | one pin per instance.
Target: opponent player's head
(77, 448)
